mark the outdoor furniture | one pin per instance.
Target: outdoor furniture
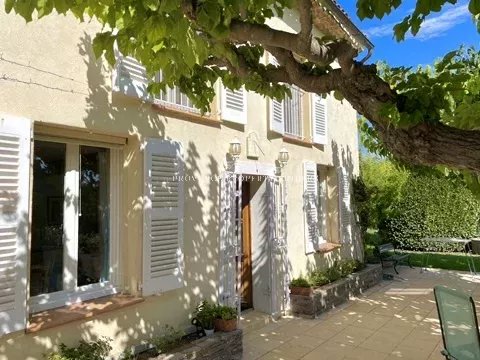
(466, 248)
(458, 321)
(387, 253)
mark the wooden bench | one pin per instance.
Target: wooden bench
(388, 254)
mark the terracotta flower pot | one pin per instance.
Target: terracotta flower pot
(297, 290)
(225, 325)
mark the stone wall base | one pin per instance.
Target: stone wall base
(219, 346)
(332, 295)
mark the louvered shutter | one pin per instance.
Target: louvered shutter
(163, 217)
(322, 207)
(229, 246)
(234, 105)
(344, 206)
(319, 119)
(277, 116)
(130, 77)
(277, 110)
(310, 201)
(15, 135)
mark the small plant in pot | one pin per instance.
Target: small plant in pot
(206, 313)
(226, 318)
(300, 286)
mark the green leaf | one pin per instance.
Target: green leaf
(9, 5)
(474, 7)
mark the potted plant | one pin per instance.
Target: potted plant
(206, 314)
(300, 286)
(226, 318)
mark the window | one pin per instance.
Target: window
(322, 175)
(131, 79)
(71, 231)
(286, 116)
(173, 96)
(315, 205)
(292, 109)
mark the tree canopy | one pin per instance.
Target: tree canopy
(423, 116)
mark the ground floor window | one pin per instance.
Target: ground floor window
(70, 245)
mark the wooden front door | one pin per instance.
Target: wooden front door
(246, 266)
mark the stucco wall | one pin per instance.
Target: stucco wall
(52, 76)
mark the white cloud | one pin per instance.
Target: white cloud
(380, 31)
(439, 25)
(431, 28)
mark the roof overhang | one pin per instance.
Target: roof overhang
(331, 19)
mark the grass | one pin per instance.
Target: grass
(448, 261)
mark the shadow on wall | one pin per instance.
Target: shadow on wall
(342, 158)
(145, 320)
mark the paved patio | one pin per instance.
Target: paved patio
(395, 320)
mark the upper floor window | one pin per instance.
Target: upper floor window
(173, 96)
(131, 79)
(292, 109)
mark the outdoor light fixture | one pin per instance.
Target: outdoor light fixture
(235, 149)
(283, 157)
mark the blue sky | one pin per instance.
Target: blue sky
(442, 32)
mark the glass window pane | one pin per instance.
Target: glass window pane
(46, 270)
(93, 229)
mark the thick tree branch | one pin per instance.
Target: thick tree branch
(427, 143)
(266, 36)
(306, 22)
(434, 144)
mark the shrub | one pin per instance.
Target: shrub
(319, 278)
(337, 271)
(170, 339)
(432, 207)
(205, 313)
(383, 181)
(300, 282)
(91, 350)
(361, 197)
(226, 312)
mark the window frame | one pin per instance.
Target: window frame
(169, 97)
(72, 293)
(323, 202)
(298, 95)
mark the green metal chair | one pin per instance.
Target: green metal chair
(458, 320)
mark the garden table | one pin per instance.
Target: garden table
(466, 248)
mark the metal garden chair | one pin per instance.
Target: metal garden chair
(458, 321)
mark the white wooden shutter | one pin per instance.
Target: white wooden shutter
(230, 205)
(15, 135)
(310, 200)
(130, 77)
(163, 217)
(234, 105)
(322, 207)
(344, 206)
(277, 116)
(277, 109)
(319, 119)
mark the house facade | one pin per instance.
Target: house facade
(134, 207)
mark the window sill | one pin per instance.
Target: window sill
(297, 141)
(185, 115)
(327, 247)
(66, 314)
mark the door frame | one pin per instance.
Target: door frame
(241, 168)
(246, 246)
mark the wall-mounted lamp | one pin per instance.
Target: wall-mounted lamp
(283, 157)
(235, 149)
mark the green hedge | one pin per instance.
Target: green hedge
(431, 206)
